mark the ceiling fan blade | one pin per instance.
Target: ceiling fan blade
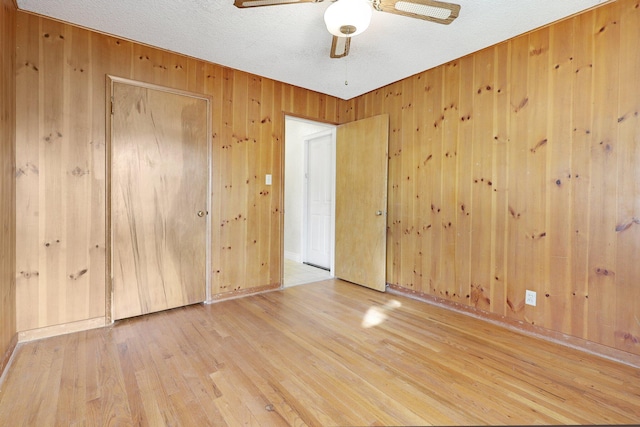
(429, 10)
(256, 3)
(340, 46)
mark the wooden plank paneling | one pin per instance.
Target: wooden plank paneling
(500, 185)
(433, 263)
(580, 162)
(603, 182)
(421, 165)
(519, 266)
(61, 175)
(27, 169)
(536, 152)
(408, 199)
(78, 177)
(463, 176)
(482, 175)
(546, 178)
(7, 180)
(411, 132)
(265, 202)
(445, 119)
(627, 320)
(61, 206)
(256, 178)
(276, 166)
(395, 216)
(559, 179)
(455, 210)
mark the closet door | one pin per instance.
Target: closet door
(159, 184)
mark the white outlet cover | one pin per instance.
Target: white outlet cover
(530, 298)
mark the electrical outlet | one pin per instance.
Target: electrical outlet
(530, 298)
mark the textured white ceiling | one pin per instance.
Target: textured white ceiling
(290, 43)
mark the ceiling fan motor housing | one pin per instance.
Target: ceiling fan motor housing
(348, 18)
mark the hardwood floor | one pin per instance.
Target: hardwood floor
(311, 355)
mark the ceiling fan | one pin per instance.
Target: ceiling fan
(347, 18)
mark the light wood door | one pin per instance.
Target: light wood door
(159, 181)
(319, 179)
(361, 201)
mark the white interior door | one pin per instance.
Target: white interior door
(319, 180)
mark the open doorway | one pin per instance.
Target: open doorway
(309, 201)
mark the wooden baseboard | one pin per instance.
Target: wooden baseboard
(65, 328)
(243, 293)
(590, 347)
(6, 357)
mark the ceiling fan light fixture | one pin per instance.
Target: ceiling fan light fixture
(347, 18)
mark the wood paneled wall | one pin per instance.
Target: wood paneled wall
(514, 168)
(7, 180)
(518, 167)
(61, 212)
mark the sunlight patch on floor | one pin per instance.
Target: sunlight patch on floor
(377, 315)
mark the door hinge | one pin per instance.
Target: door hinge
(112, 105)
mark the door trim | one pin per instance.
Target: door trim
(284, 116)
(110, 81)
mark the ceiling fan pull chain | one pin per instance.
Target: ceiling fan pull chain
(346, 71)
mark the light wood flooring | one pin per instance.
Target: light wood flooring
(328, 353)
